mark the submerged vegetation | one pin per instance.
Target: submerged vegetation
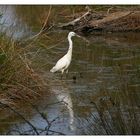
(116, 114)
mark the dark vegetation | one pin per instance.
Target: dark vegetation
(117, 114)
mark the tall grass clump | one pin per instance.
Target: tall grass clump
(116, 113)
(118, 120)
(17, 79)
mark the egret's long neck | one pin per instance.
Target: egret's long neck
(70, 46)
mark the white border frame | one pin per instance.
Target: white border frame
(71, 2)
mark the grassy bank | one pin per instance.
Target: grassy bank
(17, 78)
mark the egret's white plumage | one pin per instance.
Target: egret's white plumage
(64, 62)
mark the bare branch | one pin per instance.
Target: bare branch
(21, 116)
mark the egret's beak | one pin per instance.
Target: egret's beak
(78, 35)
(83, 38)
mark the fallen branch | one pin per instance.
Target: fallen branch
(112, 17)
(109, 22)
(72, 23)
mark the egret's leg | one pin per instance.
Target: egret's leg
(62, 73)
(67, 73)
(61, 76)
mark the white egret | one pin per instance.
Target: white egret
(64, 62)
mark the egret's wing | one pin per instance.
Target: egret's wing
(61, 63)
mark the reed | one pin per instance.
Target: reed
(17, 77)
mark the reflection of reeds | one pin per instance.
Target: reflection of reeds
(116, 113)
(33, 130)
(119, 119)
(17, 76)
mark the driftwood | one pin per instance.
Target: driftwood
(112, 22)
(73, 23)
(112, 17)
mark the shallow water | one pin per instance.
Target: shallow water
(102, 63)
